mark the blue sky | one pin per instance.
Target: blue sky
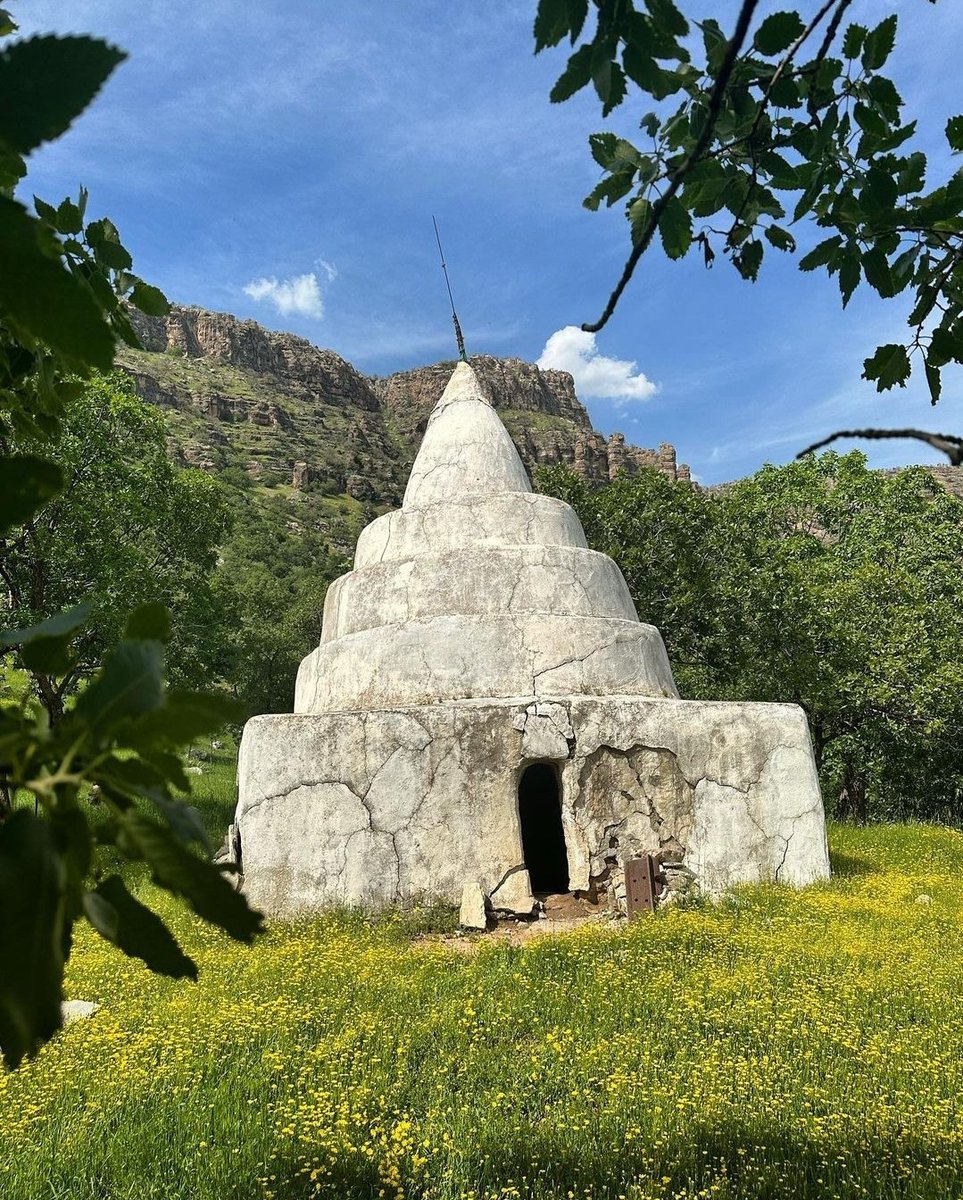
(283, 161)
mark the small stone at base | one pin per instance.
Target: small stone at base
(472, 914)
(77, 1010)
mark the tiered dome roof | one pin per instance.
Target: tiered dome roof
(477, 588)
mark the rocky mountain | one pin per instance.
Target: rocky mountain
(274, 414)
(273, 411)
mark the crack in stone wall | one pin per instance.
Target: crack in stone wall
(438, 790)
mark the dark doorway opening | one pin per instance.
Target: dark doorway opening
(543, 842)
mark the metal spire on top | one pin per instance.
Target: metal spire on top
(454, 316)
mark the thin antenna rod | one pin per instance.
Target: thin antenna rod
(454, 316)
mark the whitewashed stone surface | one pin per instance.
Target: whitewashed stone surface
(473, 914)
(475, 635)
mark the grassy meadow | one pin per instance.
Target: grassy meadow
(780, 1044)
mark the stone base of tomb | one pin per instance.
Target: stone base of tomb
(374, 808)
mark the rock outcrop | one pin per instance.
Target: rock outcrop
(197, 333)
(234, 373)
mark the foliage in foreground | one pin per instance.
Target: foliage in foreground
(788, 119)
(820, 583)
(64, 286)
(781, 1045)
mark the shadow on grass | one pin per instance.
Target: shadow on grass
(847, 865)
(732, 1162)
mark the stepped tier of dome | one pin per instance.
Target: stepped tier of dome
(477, 588)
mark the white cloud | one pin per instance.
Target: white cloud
(330, 270)
(597, 375)
(298, 296)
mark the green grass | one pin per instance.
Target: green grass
(214, 792)
(780, 1044)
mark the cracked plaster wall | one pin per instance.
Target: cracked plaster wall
(418, 802)
(477, 634)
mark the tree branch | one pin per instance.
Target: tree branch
(793, 50)
(946, 443)
(678, 176)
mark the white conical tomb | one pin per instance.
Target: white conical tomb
(476, 635)
(477, 588)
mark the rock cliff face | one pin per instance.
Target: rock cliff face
(228, 378)
(949, 477)
(196, 333)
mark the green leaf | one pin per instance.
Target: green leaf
(879, 43)
(609, 82)
(715, 42)
(675, 228)
(180, 871)
(150, 622)
(135, 929)
(46, 647)
(954, 133)
(780, 238)
(603, 147)
(68, 219)
(850, 273)
(577, 73)
(46, 212)
(181, 719)
(749, 259)
(552, 23)
(650, 124)
(926, 297)
(870, 120)
(639, 213)
(56, 626)
(809, 196)
(610, 189)
(28, 483)
(785, 93)
(880, 190)
(853, 41)
(643, 70)
(887, 98)
(33, 929)
(890, 365)
(942, 203)
(101, 914)
(185, 820)
(42, 300)
(912, 173)
(946, 345)
(778, 32)
(822, 255)
(903, 267)
(877, 271)
(12, 167)
(129, 684)
(48, 81)
(934, 381)
(113, 255)
(667, 17)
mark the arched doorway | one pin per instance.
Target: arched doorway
(543, 841)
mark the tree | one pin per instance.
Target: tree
(129, 528)
(271, 584)
(820, 583)
(794, 103)
(63, 289)
(664, 537)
